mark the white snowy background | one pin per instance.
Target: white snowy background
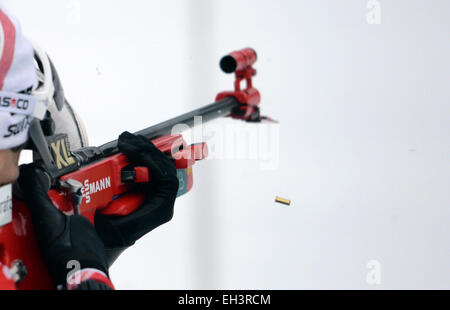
(364, 113)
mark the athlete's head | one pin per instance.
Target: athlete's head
(30, 90)
(18, 79)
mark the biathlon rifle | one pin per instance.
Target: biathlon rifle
(100, 179)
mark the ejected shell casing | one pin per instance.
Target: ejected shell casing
(283, 201)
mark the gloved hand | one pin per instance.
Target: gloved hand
(61, 238)
(118, 233)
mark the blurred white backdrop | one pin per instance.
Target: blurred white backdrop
(363, 147)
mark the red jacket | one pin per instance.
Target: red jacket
(85, 279)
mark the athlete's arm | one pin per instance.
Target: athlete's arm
(65, 241)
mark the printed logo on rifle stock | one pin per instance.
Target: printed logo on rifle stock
(60, 149)
(90, 188)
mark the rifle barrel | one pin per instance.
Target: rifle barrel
(208, 113)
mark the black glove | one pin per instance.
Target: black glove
(118, 233)
(61, 238)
